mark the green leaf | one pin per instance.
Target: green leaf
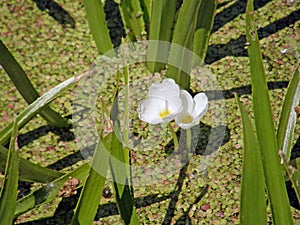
(132, 16)
(204, 25)
(96, 18)
(50, 191)
(162, 20)
(253, 198)
(120, 170)
(265, 130)
(180, 59)
(288, 116)
(25, 87)
(286, 127)
(292, 170)
(294, 174)
(123, 191)
(29, 171)
(146, 7)
(90, 196)
(9, 191)
(30, 111)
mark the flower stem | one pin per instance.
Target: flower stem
(174, 136)
(126, 150)
(126, 125)
(188, 139)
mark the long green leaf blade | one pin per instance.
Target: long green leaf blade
(96, 18)
(25, 87)
(286, 127)
(132, 16)
(9, 191)
(265, 130)
(162, 20)
(253, 202)
(179, 61)
(30, 111)
(120, 161)
(146, 7)
(288, 116)
(294, 175)
(123, 191)
(204, 25)
(29, 171)
(50, 191)
(90, 196)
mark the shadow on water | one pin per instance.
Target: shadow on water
(174, 197)
(114, 22)
(209, 140)
(56, 12)
(233, 11)
(65, 134)
(236, 47)
(242, 90)
(64, 211)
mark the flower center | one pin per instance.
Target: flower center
(164, 113)
(187, 118)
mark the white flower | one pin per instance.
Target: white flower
(193, 109)
(166, 102)
(163, 103)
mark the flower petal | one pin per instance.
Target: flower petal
(201, 105)
(194, 110)
(156, 110)
(149, 112)
(167, 89)
(180, 118)
(187, 101)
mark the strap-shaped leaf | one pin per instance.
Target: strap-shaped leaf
(29, 171)
(132, 16)
(123, 191)
(50, 191)
(9, 191)
(204, 25)
(294, 175)
(90, 196)
(288, 115)
(253, 198)
(96, 18)
(146, 7)
(120, 170)
(162, 21)
(180, 60)
(265, 130)
(30, 111)
(25, 87)
(286, 127)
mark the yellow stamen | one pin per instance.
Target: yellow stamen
(187, 118)
(164, 113)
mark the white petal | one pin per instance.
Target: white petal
(201, 105)
(150, 110)
(187, 101)
(185, 120)
(166, 89)
(184, 125)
